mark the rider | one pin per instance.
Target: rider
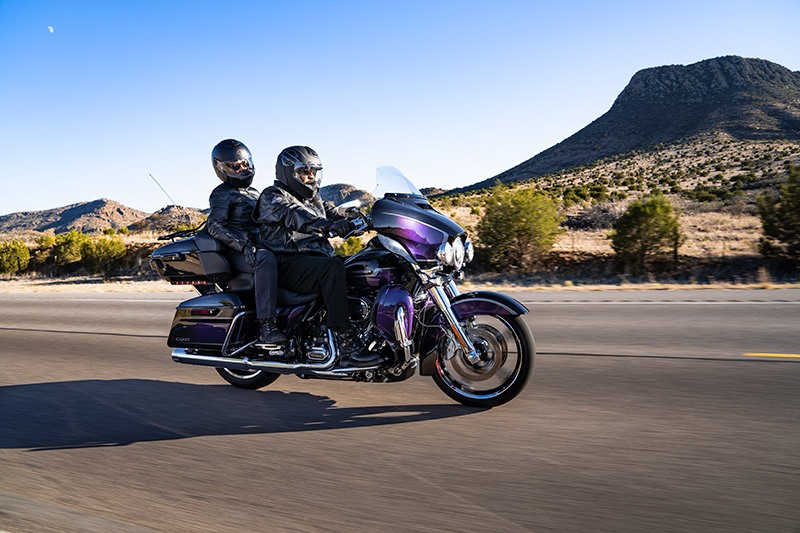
(231, 222)
(295, 224)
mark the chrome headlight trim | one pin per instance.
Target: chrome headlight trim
(469, 251)
(445, 253)
(458, 253)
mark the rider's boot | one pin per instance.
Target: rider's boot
(354, 351)
(269, 334)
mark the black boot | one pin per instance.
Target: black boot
(354, 351)
(269, 333)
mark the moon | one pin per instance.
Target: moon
(50, 29)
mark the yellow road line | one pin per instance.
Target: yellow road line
(789, 355)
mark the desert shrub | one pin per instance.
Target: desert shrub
(68, 247)
(780, 218)
(647, 231)
(349, 247)
(103, 255)
(14, 257)
(517, 228)
(601, 216)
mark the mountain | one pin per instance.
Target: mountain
(167, 219)
(746, 99)
(88, 217)
(339, 193)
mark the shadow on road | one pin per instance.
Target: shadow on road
(79, 414)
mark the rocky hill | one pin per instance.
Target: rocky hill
(339, 193)
(88, 217)
(745, 99)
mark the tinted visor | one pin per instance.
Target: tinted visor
(304, 173)
(238, 168)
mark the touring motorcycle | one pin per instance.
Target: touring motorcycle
(402, 297)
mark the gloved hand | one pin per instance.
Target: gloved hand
(250, 255)
(340, 228)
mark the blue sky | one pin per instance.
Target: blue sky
(450, 92)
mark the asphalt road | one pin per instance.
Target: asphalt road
(645, 413)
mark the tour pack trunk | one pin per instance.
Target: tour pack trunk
(196, 260)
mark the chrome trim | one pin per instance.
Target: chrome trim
(402, 336)
(451, 289)
(182, 355)
(241, 315)
(443, 303)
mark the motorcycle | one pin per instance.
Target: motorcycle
(402, 299)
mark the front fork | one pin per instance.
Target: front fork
(441, 297)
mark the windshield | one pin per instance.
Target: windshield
(391, 181)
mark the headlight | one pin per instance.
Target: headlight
(445, 253)
(469, 251)
(458, 253)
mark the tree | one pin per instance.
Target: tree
(780, 218)
(14, 257)
(517, 228)
(648, 230)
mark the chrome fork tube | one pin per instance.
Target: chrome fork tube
(443, 303)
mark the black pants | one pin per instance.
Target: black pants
(314, 273)
(265, 280)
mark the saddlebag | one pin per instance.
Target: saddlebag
(204, 322)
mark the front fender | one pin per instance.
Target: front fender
(465, 305)
(486, 303)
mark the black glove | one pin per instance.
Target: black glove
(250, 255)
(340, 228)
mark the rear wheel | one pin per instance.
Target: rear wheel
(247, 379)
(506, 354)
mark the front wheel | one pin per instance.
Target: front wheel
(506, 356)
(248, 379)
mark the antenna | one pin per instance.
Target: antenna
(162, 188)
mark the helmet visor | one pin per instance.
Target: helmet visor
(307, 174)
(240, 168)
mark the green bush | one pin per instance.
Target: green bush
(14, 257)
(68, 247)
(349, 247)
(780, 218)
(104, 255)
(648, 231)
(517, 228)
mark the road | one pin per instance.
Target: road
(644, 414)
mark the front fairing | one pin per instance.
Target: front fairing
(404, 214)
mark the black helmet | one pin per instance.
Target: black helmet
(233, 163)
(297, 160)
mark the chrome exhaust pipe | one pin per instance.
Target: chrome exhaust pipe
(182, 355)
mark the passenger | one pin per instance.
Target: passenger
(231, 222)
(294, 224)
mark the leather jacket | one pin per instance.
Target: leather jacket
(231, 218)
(289, 224)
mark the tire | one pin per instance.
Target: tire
(247, 379)
(507, 351)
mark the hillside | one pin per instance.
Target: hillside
(88, 217)
(744, 99)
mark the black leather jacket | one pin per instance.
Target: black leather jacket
(289, 224)
(231, 217)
